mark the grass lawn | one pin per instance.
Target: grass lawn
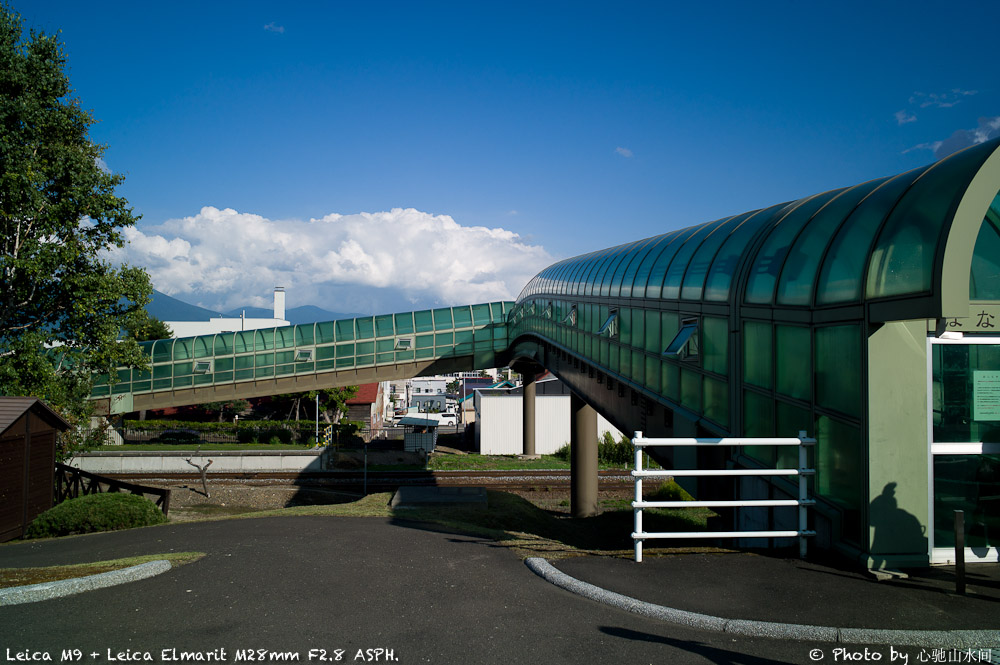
(11, 577)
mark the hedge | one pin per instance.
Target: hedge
(96, 512)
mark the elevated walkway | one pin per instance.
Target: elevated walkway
(256, 363)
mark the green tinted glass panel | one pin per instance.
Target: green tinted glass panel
(284, 338)
(244, 341)
(658, 270)
(652, 374)
(839, 383)
(383, 345)
(727, 260)
(365, 327)
(462, 316)
(325, 352)
(304, 334)
(838, 458)
(613, 282)
(715, 344)
(425, 341)
(969, 483)
(363, 348)
(182, 349)
(670, 380)
(203, 346)
(629, 276)
(162, 350)
(442, 319)
(793, 353)
(424, 321)
(242, 362)
(691, 390)
(984, 283)
(652, 332)
(224, 344)
(961, 412)
(404, 323)
(903, 261)
(844, 264)
(182, 369)
(345, 330)
(284, 357)
(263, 359)
(757, 354)
(345, 350)
(675, 273)
(383, 326)
(263, 340)
(444, 339)
(716, 401)
(758, 422)
(324, 332)
(771, 256)
(790, 420)
(798, 276)
(694, 278)
(480, 315)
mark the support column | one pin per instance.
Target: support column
(528, 414)
(583, 458)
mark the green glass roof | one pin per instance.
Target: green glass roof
(908, 237)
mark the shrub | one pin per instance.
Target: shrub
(562, 453)
(177, 437)
(96, 512)
(670, 491)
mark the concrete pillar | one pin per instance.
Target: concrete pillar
(583, 458)
(528, 411)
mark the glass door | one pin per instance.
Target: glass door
(964, 375)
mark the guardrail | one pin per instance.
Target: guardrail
(802, 502)
(71, 482)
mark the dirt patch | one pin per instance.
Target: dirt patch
(188, 501)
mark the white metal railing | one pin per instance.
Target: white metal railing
(803, 501)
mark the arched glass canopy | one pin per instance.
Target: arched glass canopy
(887, 239)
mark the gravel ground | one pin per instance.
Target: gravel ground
(188, 502)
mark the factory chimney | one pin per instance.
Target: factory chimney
(279, 302)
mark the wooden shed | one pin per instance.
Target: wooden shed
(28, 429)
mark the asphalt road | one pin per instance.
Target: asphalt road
(314, 585)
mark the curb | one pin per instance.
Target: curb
(36, 592)
(789, 631)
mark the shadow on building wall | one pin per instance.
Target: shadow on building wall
(896, 531)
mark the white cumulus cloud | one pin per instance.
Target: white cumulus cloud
(368, 262)
(624, 152)
(273, 27)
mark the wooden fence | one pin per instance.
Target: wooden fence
(71, 482)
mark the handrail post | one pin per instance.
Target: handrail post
(803, 496)
(636, 510)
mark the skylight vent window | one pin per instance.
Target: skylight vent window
(404, 343)
(684, 345)
(303, 355)
(610, 327)
(570, 319)
(202, 367)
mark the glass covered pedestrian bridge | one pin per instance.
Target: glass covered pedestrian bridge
(294, 358)
(831, 314)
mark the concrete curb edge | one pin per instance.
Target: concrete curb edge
(750, 628)
(36, 592)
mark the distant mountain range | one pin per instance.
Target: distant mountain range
(168, 308)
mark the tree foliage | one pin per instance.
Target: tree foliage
(145, 327)
(332, 404)
(63, 304)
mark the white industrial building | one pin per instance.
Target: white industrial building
(221, 324)
(499, 413)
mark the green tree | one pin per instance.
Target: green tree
(63, 304)
(147, 328)
(332, 404)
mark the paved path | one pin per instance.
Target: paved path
(300, 583)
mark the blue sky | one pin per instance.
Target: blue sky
(383, 155)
